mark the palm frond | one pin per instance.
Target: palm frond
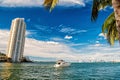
(108, 22)
(109, 28)
(111, 35)
(50, 4)
(98, 5)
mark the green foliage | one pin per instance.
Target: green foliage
(109, 28)
(98, 5)
(50, 4)
(2, 54)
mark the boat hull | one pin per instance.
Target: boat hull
(62, 65)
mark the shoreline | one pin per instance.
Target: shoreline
(3, 58)
(55, 62)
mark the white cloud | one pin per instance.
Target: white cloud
(67, 30)
(71, 30)
(79, 31)
(57, 39)
(38, 3)
(45, 49)
(20, 3)
(71, 2)
(103, 35)
(57, 50)
(68, 37)
(3, 40)
(97, 44)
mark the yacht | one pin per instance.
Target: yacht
(61, 63)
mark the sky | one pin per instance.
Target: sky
(66, 33)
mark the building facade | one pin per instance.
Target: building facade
(16, 42)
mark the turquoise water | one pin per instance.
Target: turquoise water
(46, 71)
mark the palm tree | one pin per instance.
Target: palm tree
(98, 5)
(109, 29)
(50, 4)
(116, 6)
(111, 26)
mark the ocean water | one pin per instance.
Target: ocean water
(46, 71)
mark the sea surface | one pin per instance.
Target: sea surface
(46, 71)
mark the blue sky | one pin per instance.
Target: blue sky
(65, 33)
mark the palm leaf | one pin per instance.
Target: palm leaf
(109, 28)
(111, 34)
(98, 5)
(108, 22)
(50, 4)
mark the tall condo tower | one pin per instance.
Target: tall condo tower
(16, 43)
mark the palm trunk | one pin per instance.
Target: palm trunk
(116, 6)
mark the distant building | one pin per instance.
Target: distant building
(16, 43)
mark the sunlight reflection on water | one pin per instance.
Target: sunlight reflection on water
(46, 71)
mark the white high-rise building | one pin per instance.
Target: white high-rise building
(17, 40)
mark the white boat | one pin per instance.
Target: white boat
(61, 63)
